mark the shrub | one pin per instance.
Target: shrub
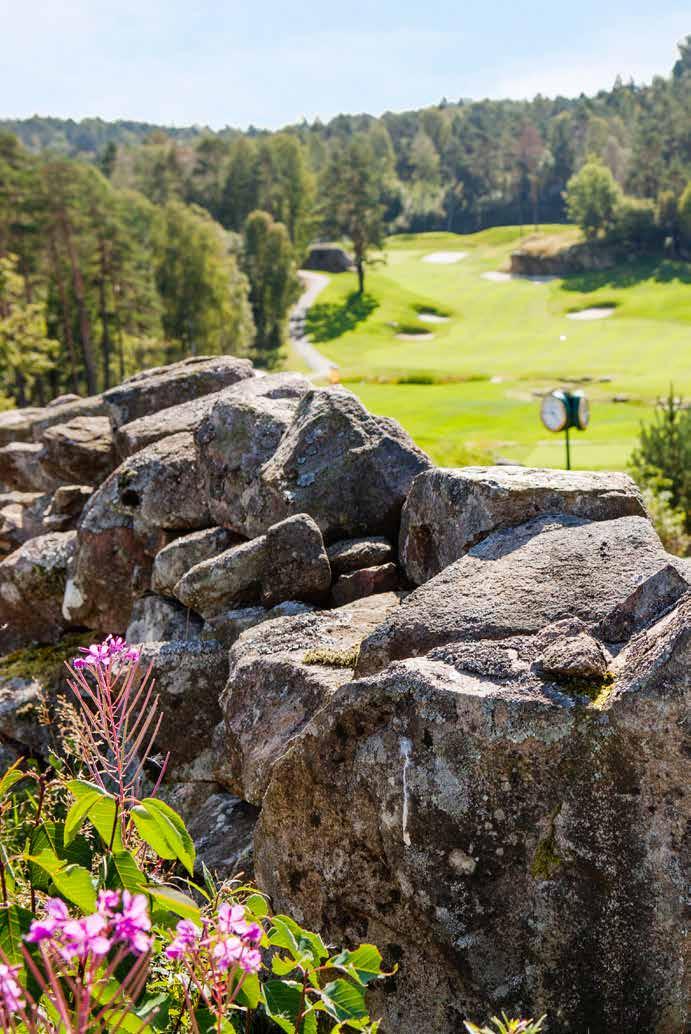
(635, 225)
(662, 460)
(102, 925)
(684, 217)
(592, 197)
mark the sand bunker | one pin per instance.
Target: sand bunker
(595, 313)
(500, 278)
(432, 317)
(444, 257)
(415, 337)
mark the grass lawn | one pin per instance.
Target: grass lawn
(502, 343)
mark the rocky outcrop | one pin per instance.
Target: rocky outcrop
(281, 674)
(449, 511)
(165, 386)
(21, 518)
(80, 452)
(498, 834)
(289, 562)
(518, 580)
(349, 470)
(159, 619)
(127, 521)
(240, 434)
(32, 584)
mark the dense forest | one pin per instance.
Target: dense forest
(124, 244)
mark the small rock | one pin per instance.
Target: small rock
(366, 582)
(574, 657)
(354, 554)
(176, 559)
(20, 470)
(160, 619)
(228, 626)
(79, 452)
(32, 584)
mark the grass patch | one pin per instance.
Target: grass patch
(514, 337)
(41, 662)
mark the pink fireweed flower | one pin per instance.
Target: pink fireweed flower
(101, 655)
(83, 937)
(11, 999)
(185, 941)
(108, 901)
(132, 925)
(251, 960)
(229, 916)
(228, 952)
(42, 929)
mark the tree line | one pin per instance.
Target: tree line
(123, 245)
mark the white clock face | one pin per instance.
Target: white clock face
(583, 413)
(553, 413)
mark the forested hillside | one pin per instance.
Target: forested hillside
(457, 166)
(124, 245)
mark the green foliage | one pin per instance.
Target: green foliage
(684, 217)
(26, 351)
(592, 198)
(269, 263)
(635, 225)
(326, 321)
(662, 460)
(669, 523)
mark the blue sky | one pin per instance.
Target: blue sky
(271, 62)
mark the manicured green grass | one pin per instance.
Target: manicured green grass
(505, 341)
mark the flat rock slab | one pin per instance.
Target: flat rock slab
(79, 452)
(20, 470)
(450, 510)
(184, 553)
(520, 579)
(166, 386)
(354, 554)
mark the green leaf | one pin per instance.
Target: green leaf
(364, 964)
(12, 775)
(250, 993)
(282, 966)
(71, 881)
(129, 875)
(344, 1001)
(14, 924)
(282, 1002)
(77, 814)
(257, 905)
(101, 812)
(286, 933)
(164, 831)
(174, 900)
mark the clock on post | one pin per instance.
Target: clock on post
(561, 410)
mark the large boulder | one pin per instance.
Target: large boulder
(176, 559)
(32, 584)
(79, 452)
(281, 673)
(519, 579)
(167, 386)
(240, 433)
(189, 678)
(348, 469)
(65, 409)
(20, 470)
(145, 502)
(288, 563)
(16, 425)
(448, 511)
(511, 846)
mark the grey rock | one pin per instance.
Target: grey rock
(347, 469)
(296, 564)
(20, 470)
(80, 451)
(132, 437)
(646, 603)
(176, 559)
(190, 677)
(289, 562)
(354, 554)
(160, 619)
(166, 386)
(145, 501)
(497, 837)
(227, 626)
(16, 425)
(221, 826)
(366, 582)
(574, 657)
(22, 516)
(63, 412)
(448, 511)
(241, 433)
(281, 673)
(520, 579)
(32, 583)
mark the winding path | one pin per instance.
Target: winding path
(318, 363)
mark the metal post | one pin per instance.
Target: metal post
(568, 449)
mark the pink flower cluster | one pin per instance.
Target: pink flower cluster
(102, 655)
(11, 999)
(228, 942)
(119, 920)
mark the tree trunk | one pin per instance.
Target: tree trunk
(66, 322)
(103, 312)
(360, 275)
(84, 326)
